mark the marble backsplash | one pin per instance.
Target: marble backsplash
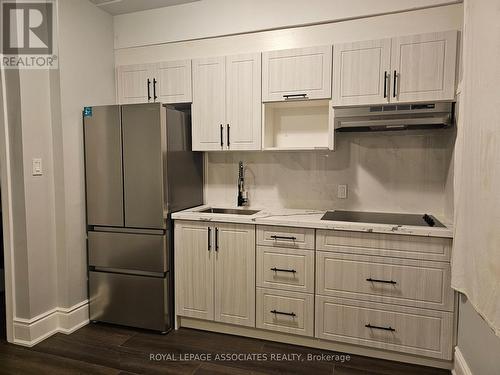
(398, 172)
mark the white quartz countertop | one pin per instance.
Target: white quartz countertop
(310, 219)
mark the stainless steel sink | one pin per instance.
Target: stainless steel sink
(228, 211)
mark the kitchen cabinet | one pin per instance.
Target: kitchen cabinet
(299, 73)
(424, 66)
(215, 271)
(227, 103)
(194, 270)
(235, 274)
(165, 82)
(135, 83)
(174, 82)
(361, 72)
(415, 68)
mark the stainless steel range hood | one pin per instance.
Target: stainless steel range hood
(393, 117)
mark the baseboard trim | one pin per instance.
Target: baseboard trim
(460, 366)
(29, 332)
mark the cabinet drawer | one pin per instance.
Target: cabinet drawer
(408, 330)
(295, 238)
(130, 251)
(398, 245)
(288, 312)
(286, 269)
(382, 279)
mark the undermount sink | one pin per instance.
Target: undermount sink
(228, 211)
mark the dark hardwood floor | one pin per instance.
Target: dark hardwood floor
(107, 349)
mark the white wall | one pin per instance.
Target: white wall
(476, 250)
(426, 20)
(86, 77)
(43, 120)
(210, 18)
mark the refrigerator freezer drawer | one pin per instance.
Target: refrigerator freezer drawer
(128, 251)
(136, 301)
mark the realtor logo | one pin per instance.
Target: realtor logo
(28, 34)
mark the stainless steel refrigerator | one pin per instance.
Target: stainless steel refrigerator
(139, 168)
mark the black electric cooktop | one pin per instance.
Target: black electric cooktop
(422, 220)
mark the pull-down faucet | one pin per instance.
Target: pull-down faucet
(242, 194)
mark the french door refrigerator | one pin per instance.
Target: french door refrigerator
(139, 168)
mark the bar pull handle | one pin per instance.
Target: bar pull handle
(291, 238)
(295, 96)
(395, 84)
(276, 312)
(154, 89)
(217, 239)
(228, 143)
(385, 84)
(149, 89)
(381, 281)
(209, 238)
(221, 136)
(378, 327)
(282, 270)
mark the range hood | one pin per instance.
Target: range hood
(393, 117)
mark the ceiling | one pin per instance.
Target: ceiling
(115, 7)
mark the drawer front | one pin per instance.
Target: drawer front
(407, 330)
(286, 269)
(136, 301)
(382, 279)
(130, 251)
(295, 238)
(288, 312)
(398, 245)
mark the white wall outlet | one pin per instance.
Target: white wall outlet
(342, 191)
(36, 167)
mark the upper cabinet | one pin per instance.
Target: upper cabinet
(165, 82)
(174, 82)
(424, 66)
(135, 83)
(227, 103)
(301, 73)
(361, 72)
(402, 69)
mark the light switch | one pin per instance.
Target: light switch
(36, 167)
(342, 191)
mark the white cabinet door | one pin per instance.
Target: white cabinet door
(361, 72)
(425, 67)
(243, 102)
(235, 274)
(297, 73)
(194, 270)
(135, 83)
(208, 109)
(173, 82)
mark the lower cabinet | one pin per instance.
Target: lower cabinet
(284, 311)
(391, 327)
(215, 271)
